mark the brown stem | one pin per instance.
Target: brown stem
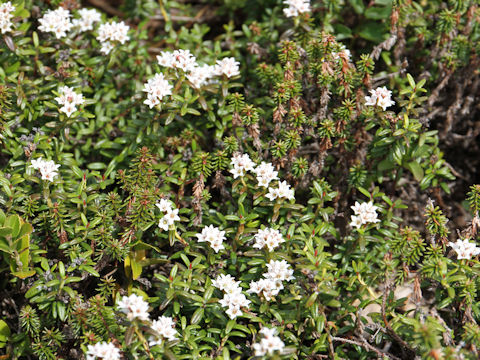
(363, 343)
(407, 350)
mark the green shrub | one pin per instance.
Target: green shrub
(175, 186)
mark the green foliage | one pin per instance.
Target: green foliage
(167, 181)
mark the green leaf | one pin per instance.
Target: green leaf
(410, 80)
(4, 329)
(416, 170)
(197, 316)
(25, 230)
(230, 325)
(96, 166)
(90, 270)
(5, 231)
(24, 273)
(13, 221)
(378, 13)
(372, 31)
(357, 5)
(61, 311)
(311, 300)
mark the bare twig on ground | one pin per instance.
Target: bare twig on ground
(363, 343)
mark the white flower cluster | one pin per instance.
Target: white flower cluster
(464, 249)
(48, 169)
(6, 15)
(265, 174)
(56, 21)
(241, 164)
(282, 192)
(270, 286)
(135, 307)
(156, 89)
(380, 97)
(170, 215)
(69, 99)
(233, 297)
(112, 32)
(201, 75)
(213, 236)
(198, 75)
(364, 213)
(296, 7)
(269, 343)
(87, 18)
(270, 238)
(165, 327)
(228, 67)
(178, 59)
(104, 351)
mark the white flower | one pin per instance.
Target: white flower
(56, 21)
(156, 88)
(164, 224)
(236, 172)
(172, 216)
(241, 164)
(165, 59)
(37, 163)
(269, 288)
(356, 221)
(270, 238)
(165, 327)
(279, 270)
(68, 109)
(236, 299)
(69, 99)
(106, 47)
(271, 284)
(112, 32)
(87, 18)
(267, 332)
(48, 169)
(380, 97)
(179, 59)
(233, 298)
(217, 245)
(364, 213)
(464, 249)
(272, 194)
(134, 306)
(199, 76)
(233, 312)
(265, 174)
(256, 287)
(228, 67)
(296, 7)
(6, 15)
(227, 283)
(164, 205)
(283, 191)
(213, 236)
(104, 351)
(269, 343)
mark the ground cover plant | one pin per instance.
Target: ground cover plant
(239, 179)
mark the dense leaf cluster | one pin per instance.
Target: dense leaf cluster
(387, 284)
